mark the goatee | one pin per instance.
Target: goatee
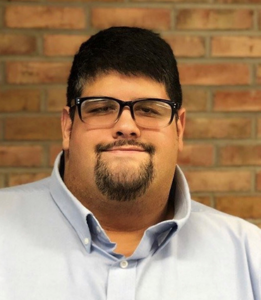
(129, 183)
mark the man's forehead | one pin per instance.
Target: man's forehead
(116, 83)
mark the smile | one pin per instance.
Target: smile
(125, 150)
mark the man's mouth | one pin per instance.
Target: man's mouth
(126, 149)
(127, 146)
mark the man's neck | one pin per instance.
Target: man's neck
(128, 240)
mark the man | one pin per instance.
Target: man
(115, 219)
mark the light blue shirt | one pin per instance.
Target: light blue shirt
(53, 248)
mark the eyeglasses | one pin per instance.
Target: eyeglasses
(102, 112)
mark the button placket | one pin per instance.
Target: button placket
(122, 280)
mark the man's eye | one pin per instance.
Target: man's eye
(100, 109)
(147, 111)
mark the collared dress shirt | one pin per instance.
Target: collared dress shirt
(53, 248)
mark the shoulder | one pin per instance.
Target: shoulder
(22, 194)
(27, 208)
(36, 186)
(224, 224)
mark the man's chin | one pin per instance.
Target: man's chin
(123, 180)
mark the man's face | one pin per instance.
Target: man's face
(124, 161)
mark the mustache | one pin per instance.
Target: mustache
(105, 147)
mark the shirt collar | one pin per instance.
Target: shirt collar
(79, 216)
(71, 207)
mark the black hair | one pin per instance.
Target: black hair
(130, 51)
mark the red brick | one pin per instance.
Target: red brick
(32, 128)
(214, 74)
(196, 155)
(236, 46)
(14, 100)
(219, 181)
(202, 199)
(258, 181)
(259, 128)
(214, 19)
(83, 1)
(56, 99)
(44, 17)
(24, 0)
(239, 1)
(20, 156)
(9, 44)
(186, 46)
(238, 155)
(62, 45)
(37, 72)
(175, 1)
(195, 99)
(220, 128)
(258, 74)
(241, 206)
(53, 152)
(237, 100)
(22, 178)
(152, 18)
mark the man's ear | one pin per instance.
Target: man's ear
(181, 127)
(66, 125)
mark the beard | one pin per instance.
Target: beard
(125, 184)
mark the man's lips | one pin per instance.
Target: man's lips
(125, 149)
(124, 146)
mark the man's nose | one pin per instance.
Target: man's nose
(126, 126)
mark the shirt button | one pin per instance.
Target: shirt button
(124, 264)
(86, 241)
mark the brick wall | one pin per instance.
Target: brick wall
(218, 46)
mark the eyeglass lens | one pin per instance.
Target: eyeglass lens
(105, 112)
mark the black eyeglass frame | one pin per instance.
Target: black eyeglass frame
(78, 103)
